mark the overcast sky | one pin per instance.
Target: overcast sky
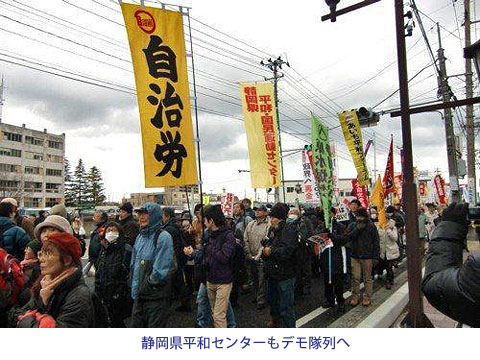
(334, 66)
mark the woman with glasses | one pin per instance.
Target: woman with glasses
(60, 297)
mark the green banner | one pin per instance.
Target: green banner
(322, 166)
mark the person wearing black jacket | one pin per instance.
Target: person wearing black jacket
(100, 218)
(451, 286)
(280, 256)
(111, 276)
(179, 289)
(365, 248)
(129, 224)
(331, 265)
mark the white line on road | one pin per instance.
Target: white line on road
(319, 311)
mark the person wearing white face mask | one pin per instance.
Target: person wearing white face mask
(111, 291)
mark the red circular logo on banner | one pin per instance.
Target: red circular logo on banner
(145, 21)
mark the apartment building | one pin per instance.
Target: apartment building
(31, 166)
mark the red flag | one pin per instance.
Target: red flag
(440, 187)
(360, 192)
(388, 183)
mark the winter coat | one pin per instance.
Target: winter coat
(304, 229)
(331, 259)
(26, 224)
(70, 306)
(388, 241)
(153, 259)
(451, 286)
(94, 247)
(176, 233)
(365, 243)
(255, 232)
(130, 229)
(111, 272)
(219, 256)
(240, 226)
(14, 239)
(250, 213)
(282, 263)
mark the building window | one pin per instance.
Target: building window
(49, 202)
(9, 185)
(290, 189)
(32, 170)
(53, 188)
(33, 141)
(12, 136)
(10, 152)
(54, 144)
(54, 172)
(54, 159)
(32, 202)
(9, 168)
(30, 185)
(33, 156)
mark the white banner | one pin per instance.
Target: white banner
(310, 188)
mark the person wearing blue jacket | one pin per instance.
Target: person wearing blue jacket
(153, 266)
(13, 239)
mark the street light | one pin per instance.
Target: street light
(473, 52)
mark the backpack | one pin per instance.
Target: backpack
(12, 279)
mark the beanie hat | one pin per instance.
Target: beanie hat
(127, 207)
(54, 221)
(59, 209)
(279, 211)
(362, 212)
(35, 246)
(68, 243)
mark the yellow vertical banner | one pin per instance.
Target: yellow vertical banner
(354, 140)
(377, 199)
(260, 117)
(159, 60)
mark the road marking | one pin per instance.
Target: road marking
(319, 311)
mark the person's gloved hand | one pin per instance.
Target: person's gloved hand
(456, 213)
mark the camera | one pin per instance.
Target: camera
(474, 213)
(266, 241)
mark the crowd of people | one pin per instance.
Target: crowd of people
(147, 258)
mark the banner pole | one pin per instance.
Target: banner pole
(200, 187)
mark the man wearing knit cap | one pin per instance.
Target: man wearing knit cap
(280, 256)
(13, 239)
(129, 224)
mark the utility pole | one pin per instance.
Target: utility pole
(444, 90)
(472, 188)
(274, 65)
(416, 316)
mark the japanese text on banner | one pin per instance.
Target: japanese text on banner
(159, 60)
(354, 140)
(262, 134)
(322, 166)
(310, 187)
